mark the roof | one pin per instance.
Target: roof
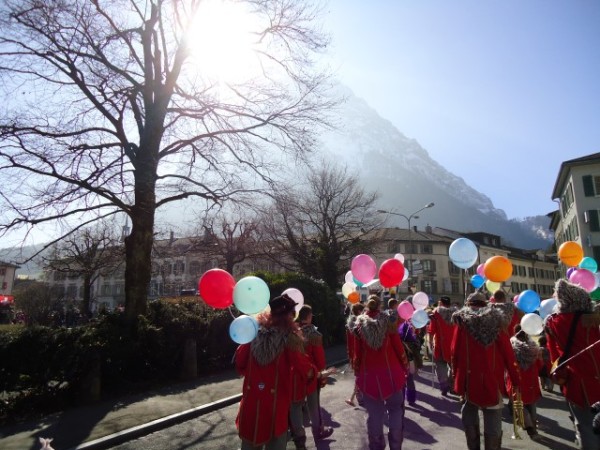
(6, 264)
(565, 168)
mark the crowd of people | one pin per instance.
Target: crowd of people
(478, 350)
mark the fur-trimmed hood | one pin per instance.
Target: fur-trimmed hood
(351, 323)
(268, 344)
(446, 312)
(507, 309)
(571, 298)
(311, 335)
(374, 329)
(484, 323)
(526, 352)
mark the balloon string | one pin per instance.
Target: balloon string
(231, 312)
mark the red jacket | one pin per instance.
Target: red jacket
(583, 384)
(529, 362)
(313, 348)
(481, 352)
(441, 331)
(266, 364)
(380, 364)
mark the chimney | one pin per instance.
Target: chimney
(171, 237)
(415, 228)
(428, 229)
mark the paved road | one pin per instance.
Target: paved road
(433, 424)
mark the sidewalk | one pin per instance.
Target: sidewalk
(109, 423)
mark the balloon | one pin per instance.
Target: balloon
(532, 324)
(347, 288)
(399, 257)
(353, 297)
(295, 295)
(589, 264)
(529, 301)
(498, 269)
(363, 268)
(492, 286)
(595, 295)
(546, 307)
(348, 278)
(216, 288)
(516, 299)
(584, 278)
(480, 268)
(477, 281)
(243, 329)
(405, 309)
(463, 253)
(420, 300)
(419, 318)
(391, 273)
(406, 274)
(570, 253)
(570, 270)
(251, 295)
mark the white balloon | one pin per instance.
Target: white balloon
(406, 274)
(420, 300)
(347, 288)
(349, 278)
(399, 257)
(295, 295)
(532, 324)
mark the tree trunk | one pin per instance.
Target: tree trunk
(87, 294)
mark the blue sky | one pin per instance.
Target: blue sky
(498, 92)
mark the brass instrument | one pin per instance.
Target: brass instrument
(518, 414)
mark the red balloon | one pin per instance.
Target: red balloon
(216, 288)
(391, 273)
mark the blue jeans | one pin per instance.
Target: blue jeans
(375, 412)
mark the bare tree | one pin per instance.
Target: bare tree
(318, 229)
(89, 253)
(233, 238)
(105, 112)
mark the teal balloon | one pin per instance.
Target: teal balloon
(463, 253)
(589, 263)
(477, 281)
(251, 295)
(528, 301)
(419, 318)
(243, 329)
(358, 283)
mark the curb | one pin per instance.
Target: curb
(136, 432)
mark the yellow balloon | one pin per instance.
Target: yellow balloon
(570, 253)
(492, 286)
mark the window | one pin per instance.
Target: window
(393, 247)
(455, 287)
(530, 272)
(453, 269)
(593, 217)
(411, 248)
(178, 268)
(427, 248)
(567, 199)
(429, 286)
(195, 268)
(106, 289)
(596, 251)
(591, 185)
(514, 286)
(2, 270)
(428, 265)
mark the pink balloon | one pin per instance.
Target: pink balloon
(405, 309)
(480, 271)
(584, 278)
(363, 268)
(516, 299)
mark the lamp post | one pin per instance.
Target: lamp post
(408, 219)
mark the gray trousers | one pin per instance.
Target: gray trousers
(376, 409)
(276, 443)
(583, 418)
(492, 418)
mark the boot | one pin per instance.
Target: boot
(444, 388)
(300, 442)
(473, 437)
(376, 442)
(492, 441)
(411, 396)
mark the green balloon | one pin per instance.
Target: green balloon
(595, 295)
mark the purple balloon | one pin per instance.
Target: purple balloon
(570, 271)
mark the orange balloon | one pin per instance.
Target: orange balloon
(353, 297)
(497, 269)
(570, 253)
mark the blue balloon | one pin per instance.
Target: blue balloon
(477, 281)
(528, 301)
(251, 295)
(463, 253)
(589, 263)
(419, 318)
(243, 329)
(546, 307)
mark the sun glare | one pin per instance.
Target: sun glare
(222, 43)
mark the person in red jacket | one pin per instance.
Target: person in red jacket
(513, 315)
(529, 360)
(308, 393)
(356, 311)
(441, 331)
(478, 337)
(381, 366)
(582, 388)
(266, 364)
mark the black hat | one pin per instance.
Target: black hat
(282, 305)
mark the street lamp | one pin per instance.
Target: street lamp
(408, 219)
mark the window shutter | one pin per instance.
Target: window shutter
(588, 185)
(594, 220)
